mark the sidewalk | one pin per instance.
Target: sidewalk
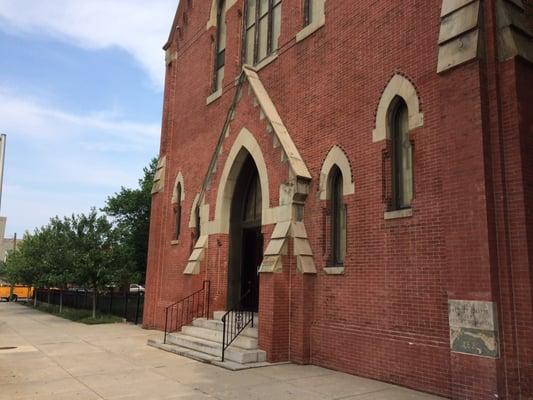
(59, 359)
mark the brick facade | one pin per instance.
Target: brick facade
(469, 238)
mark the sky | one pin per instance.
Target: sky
(81, 92)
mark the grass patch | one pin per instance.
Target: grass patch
(76, 315)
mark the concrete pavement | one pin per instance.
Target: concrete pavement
(58, 359)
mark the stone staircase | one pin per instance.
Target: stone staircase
(202, 341)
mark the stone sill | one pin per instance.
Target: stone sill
(334, 270)
(262, 64)
(397, 214)
(310, 29)
(174, 242)
(214, 96)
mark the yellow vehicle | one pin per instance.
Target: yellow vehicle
(19, 292)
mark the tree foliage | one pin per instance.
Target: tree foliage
(89, 250)
(130, 210)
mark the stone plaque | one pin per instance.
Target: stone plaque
(473, 327)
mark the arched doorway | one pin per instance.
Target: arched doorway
(246, 239)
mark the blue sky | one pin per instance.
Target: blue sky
(80, 101)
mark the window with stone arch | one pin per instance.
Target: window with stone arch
(336, 182)
(337, 213)
(401, 155)
(262, 27)
(177, 211)
(220, 46)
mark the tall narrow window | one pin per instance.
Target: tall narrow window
(313, 10)
(178, 212)
(197, 222)
(262, 28)
(338, 218)
(220, 46)
(402, 157)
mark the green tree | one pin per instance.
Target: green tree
(59, 258)
(27, 264)
(130, 210)
(99, 257)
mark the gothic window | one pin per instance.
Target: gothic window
(197, 224)
(338, 218)
(313, 10)
(402, 156)
(178, 211)
(220, 46)
(262, 25)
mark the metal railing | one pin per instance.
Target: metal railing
(183, 312)
(125, 304)
(236, 320)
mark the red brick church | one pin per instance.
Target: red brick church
(350, 184)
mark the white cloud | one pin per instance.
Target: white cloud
(138, 26)
(58, 162)
(28, 117)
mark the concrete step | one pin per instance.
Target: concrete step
(206, 358)
(217, 315)
(244, 342)
(233, 353)
(185, 352)
(216, 325)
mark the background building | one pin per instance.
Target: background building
(6, 244)
(366, 169)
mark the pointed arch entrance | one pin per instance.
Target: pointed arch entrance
(246, 239)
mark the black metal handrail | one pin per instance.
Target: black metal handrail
(235, 321)
(183, 312)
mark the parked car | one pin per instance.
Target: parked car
(135, 288)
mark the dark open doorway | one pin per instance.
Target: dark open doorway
(246, 239)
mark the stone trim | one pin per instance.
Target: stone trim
(460, 33)
(213, 97)
(192, 222)
(263, 63)
(170, 56)
(305, 262)
(310, 29)
(402, 87)
(292, 154)
(397, 214)
(515, 30)
(197, 255)
(336, 157)
(179, 179)
(212, 22)
(278, 247)
(334, 270)
(243, 145)
(159, 177)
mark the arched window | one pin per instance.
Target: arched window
(338, 218)
(402, 156)
(178, 211)
(220, 46)
(197, 223)
(262, 28)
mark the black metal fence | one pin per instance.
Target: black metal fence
(122, 304)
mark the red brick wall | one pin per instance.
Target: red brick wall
(386, 317)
